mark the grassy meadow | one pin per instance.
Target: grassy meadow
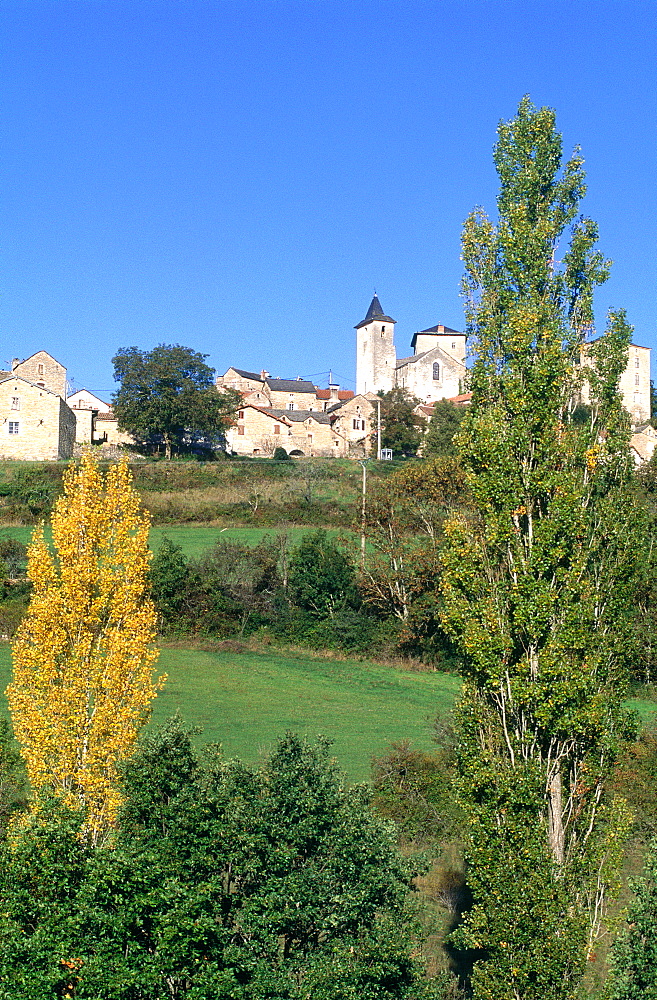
(245, 700)
(194, 539)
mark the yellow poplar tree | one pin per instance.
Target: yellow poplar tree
(83, 656)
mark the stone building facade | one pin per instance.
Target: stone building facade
(634, 383)
(43, 370)
(35, 422)
(436, 369)
(308, 433)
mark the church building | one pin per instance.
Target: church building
(436, 369)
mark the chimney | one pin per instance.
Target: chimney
(264, 374)
(334, 390)
(15, 362)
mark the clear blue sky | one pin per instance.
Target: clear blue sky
(239, 177)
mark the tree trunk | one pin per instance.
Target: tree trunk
(555, 818)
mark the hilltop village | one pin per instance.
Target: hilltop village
(40, 420)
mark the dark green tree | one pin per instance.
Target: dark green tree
(169, 393)
(653, 404)
(538, 574)
(223, 883)
(401, 427)
(169, 576)
(321, 578)
(634, 955)
(443, 426)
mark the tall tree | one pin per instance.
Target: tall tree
(443, 426)
(401, 427)
(533, 577)
(83, 656)
(169, 392)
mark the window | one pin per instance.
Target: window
(310, 438)
(277, 428)
(453, 345)
(358, 425)
(383, 329)
(436, 371)
(636, 379)
(39, 369)
(637, 363)
(240, 430)
(637, 399)
(15, 403)
(241, 414)
(290, 406)
(13, 427)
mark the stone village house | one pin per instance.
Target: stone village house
(38, 421)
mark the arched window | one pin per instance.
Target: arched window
(436, 371)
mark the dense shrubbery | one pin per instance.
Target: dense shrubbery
(307, 597)
(222, 882)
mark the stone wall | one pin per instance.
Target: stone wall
(35, 424)
(375, 357)
(44, 371)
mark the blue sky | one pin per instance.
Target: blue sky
(239, 177)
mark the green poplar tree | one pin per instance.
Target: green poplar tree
(536, 575)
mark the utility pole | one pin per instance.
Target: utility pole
(378, 429)
(362, 514)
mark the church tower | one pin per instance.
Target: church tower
(375, 351)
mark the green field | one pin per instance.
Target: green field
(244, 701)
(194, 539)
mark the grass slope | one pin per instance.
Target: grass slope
(194, 539)
(245, 700)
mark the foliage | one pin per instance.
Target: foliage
(280, 455)
(634, 956)
(653, 404)
(13, 784)
(169, 575)
(634, 779)
(401, 427)
(418, 790)
(403, 523)
(29, 492)
(443, 426)
(222, 882)
(537, 576)
(169, 392)
(321, 577)
(83, 655)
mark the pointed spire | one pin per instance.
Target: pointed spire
(375, 308)
(375, 312)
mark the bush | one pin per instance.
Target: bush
(280, 455)
(222, 881)
(321, 578)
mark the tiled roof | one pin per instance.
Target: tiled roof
(439, 328)
(267, 410)
(290, 385)
(298, 416)
(252, 375)
(343, 394)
